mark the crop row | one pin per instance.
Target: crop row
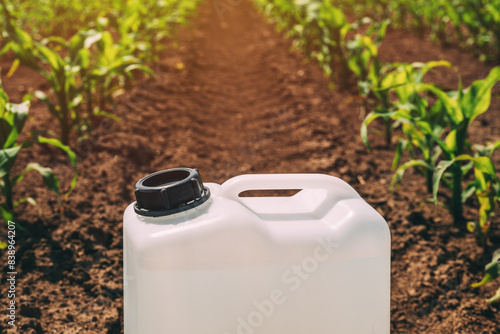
(429, 124)
(87, 52)
(473, 24)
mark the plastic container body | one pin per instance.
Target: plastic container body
(317, 262)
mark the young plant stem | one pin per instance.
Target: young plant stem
(429, 173)
(456, 201)
(65, 126)
(7, 192)
(388, 131)
(88, 93)
(102, 97)
(428, 178)
(63, 115)
(336, 50)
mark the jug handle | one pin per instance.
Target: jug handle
(337, 189)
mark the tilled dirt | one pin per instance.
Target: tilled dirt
(234, 98)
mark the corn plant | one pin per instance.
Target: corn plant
(417, 119)
(485, 185)
(103, 68)
(285, 13)
(462, 108)
(492, 271)
(399, 80)
(60, 74)
(362, 54)
(334, 26)
(12, 120)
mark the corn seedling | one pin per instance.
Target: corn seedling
(492, 271)
(12, 120)
(485, 185)
(408, 109)
(362, 54)
(103, 66)
(462, 108)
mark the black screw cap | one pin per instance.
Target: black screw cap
(169, 191)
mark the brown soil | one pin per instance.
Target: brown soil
(242, 103)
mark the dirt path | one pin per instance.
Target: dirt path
(232, 99)
(239, 90)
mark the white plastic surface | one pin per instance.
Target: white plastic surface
(317, 262)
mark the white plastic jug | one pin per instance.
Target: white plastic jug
(199, 259)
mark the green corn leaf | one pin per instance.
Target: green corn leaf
(84, 57)
(352, 62)
(75, 44)
(435, 137)
(5, 131)
(364, 127)
(54, 39)
(370, 45)
(99, 112)
(486, 279)
(45, 99)
(482, 164)
(398, 175)
(6, 214)
(438, 174)
(432, 64)
(141, 67)
(398, 154)
(495, 146)
(72, 156)
(469, 191)
(8, 157)
(13, 68)
(48, 176)
(20, 113)
(4, 99)
(485, 165)
(487, 150)
(477, 97)
(451, 140)
(382, 30)
(108, 48)
(92, 37)
(53, 59)
(495, 298)
(492, 270)
(481, 179)
(76, 101)
(29, 200)
(425, 127)
(467, 167)
(452, 107)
